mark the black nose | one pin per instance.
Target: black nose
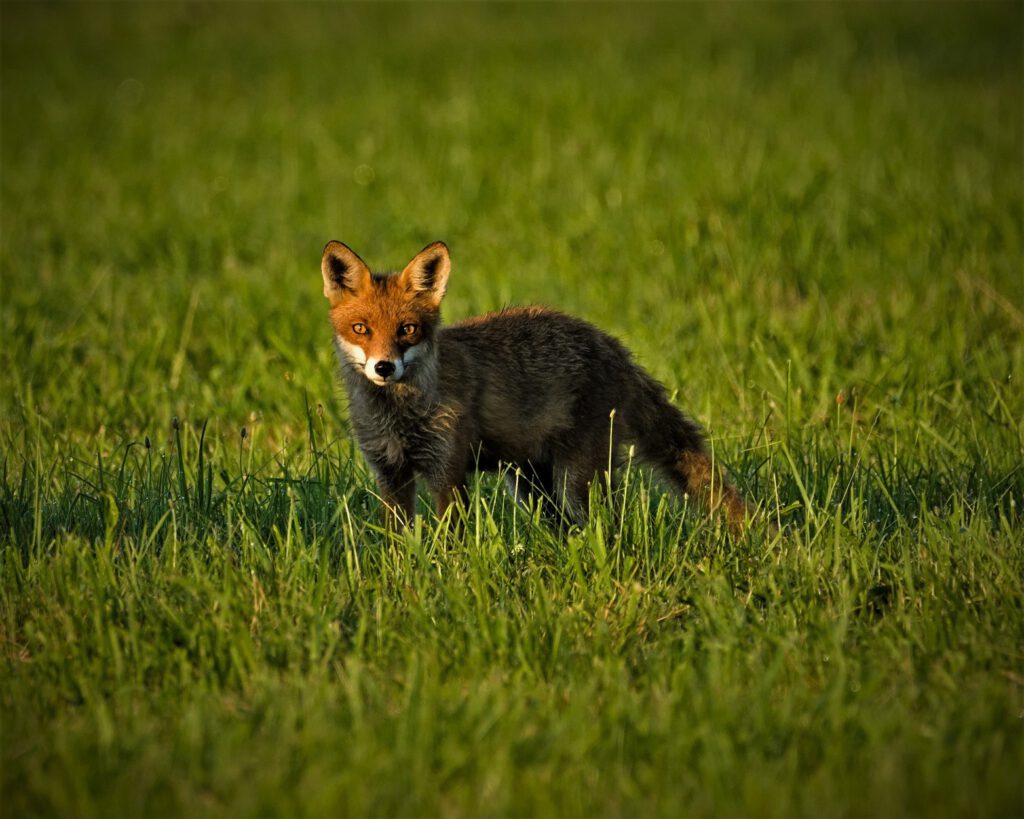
(384, 368)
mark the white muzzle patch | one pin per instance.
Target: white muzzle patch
(353, 352)
(368, 364)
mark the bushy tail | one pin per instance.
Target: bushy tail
(675, 445)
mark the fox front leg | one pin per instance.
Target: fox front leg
(453, 495)
(398, 492)
(450, 492)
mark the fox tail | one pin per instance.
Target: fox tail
(675, 445)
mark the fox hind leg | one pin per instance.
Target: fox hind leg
(531, 484)
(573, 478)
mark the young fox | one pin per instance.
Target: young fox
(539, 392)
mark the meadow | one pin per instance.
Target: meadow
(805, 219)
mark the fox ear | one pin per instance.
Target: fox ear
(344, 272)
(428, 272)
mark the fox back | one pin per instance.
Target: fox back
(549, 397)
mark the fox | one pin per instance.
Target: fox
(549, 399)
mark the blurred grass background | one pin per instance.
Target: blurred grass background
(805, 218)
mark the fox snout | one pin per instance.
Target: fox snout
(380, 370)
(384, 370)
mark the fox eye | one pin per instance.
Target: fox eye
(360, 329)
(407, 329)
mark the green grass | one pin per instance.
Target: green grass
(806, 220)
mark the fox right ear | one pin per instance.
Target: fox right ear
(344, 272)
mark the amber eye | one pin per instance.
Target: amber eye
(360, 329)
(407, 329)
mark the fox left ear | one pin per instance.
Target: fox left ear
(428, 272)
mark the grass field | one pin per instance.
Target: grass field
(805, 219)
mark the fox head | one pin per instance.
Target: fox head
(385, 324)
